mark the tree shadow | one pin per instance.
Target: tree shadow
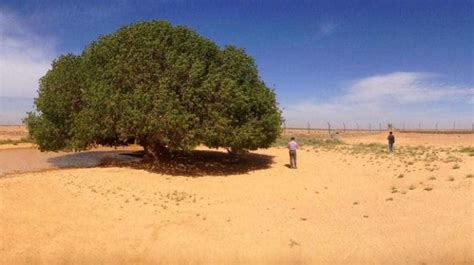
(197, 163)
(194, 164)
(89, 159)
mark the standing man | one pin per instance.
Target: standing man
(292, 146)
(391, 141)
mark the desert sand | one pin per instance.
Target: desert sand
(343, 205)
(13, 132)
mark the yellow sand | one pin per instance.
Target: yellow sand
(336, 208)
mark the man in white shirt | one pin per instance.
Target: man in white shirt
(292, 146)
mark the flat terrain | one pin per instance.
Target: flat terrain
(12, 132)
(13, 137)
(345, 204)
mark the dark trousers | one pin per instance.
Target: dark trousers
(390, 147)
(293, 158)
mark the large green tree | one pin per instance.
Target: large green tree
(58, 103)
(163, 87)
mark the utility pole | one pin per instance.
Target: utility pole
(370, 127)
(436, 126)
(357, 126)
(309, 128)
(380, 127)
(343, 124)
(329, 128)
(454, 126)
(419, 126)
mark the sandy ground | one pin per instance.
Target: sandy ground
(13, 132)
(18, 159)
(338, 207)
(402, 138)
(414, 139)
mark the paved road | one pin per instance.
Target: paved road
(31, 159)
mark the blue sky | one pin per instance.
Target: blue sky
(338, 61)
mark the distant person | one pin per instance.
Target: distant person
(391, 141)
(292, 146)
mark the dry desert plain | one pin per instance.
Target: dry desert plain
(350, 203)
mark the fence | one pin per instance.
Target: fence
(332, 128)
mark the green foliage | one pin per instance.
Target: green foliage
(244, 112)
(59, 101)
(164, 87)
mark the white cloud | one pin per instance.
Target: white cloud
(403, 87)
(396, 97)
(24, 57)
(327, 28)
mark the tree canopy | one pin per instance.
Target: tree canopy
(163, 87)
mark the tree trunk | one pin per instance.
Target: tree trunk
(161, 150)
(156, 151)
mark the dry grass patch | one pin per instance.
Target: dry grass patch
(371, 148)
(15, 142)
(451, 158)
(469, 150)
(315, 142)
